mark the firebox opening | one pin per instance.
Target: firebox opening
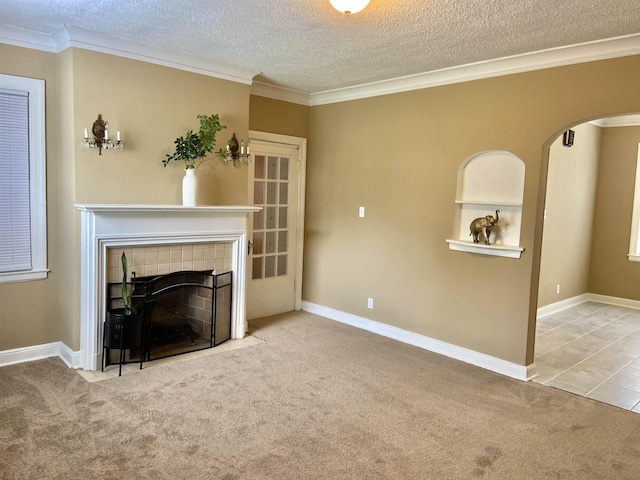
(183, 312)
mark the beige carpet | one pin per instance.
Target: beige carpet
(314, 400)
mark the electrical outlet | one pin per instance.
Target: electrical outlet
(370, 303)
(361, 212)
(558, 289)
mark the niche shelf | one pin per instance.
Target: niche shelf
(490, 181)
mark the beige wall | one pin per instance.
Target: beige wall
(570, 204)
(398, 156)
(68, 221)
(276, 116)
(611, 272)
(151, 105)
(29, 311)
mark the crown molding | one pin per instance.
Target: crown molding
(618, 121)
(262, 89)
(123, 48)
(66, 37)
(75, 37)
(555, 57)
(27, 39)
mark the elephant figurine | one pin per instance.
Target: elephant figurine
(483, 225)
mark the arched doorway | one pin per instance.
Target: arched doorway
(587, 338)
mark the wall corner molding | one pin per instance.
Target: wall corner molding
(509, 369)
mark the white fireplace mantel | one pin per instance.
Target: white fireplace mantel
(104, 226)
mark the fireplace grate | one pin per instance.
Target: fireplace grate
(183, 312)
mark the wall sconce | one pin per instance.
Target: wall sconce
(234, 152)
(567, 138)
(101, 138)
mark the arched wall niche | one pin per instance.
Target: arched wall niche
(486, 182)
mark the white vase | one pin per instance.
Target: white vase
(189, 187)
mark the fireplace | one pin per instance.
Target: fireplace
(154, 226)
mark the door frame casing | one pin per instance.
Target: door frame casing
(301, 143)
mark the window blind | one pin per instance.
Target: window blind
(15, 215)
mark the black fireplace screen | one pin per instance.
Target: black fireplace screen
(183, 311)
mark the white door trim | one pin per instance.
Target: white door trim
(301, 143)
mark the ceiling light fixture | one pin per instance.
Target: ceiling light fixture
(349, 6)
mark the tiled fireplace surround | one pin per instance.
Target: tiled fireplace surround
(157, 239)
(162, 259)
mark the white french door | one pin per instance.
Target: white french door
(275, 233)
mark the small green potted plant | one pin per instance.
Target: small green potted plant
(192, 150)
(123, 327)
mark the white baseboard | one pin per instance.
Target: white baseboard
(620, 302)
(69, 357)
(586, 297)
(478, 359)
(562, 305)
(73, 359)
(38, 352)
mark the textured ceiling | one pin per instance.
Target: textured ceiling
(306, 45)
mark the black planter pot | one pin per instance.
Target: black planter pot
(122, 330)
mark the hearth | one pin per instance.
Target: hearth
(182, 312)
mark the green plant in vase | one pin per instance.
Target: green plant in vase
(194, 146)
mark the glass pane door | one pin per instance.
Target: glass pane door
(270, 226)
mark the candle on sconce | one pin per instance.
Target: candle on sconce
(248, 149)
(98, 137)
(242, 148)
(228, 149)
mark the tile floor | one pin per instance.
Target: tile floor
(593, 350)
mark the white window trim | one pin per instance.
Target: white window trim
(37, 178)
(634, 247)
